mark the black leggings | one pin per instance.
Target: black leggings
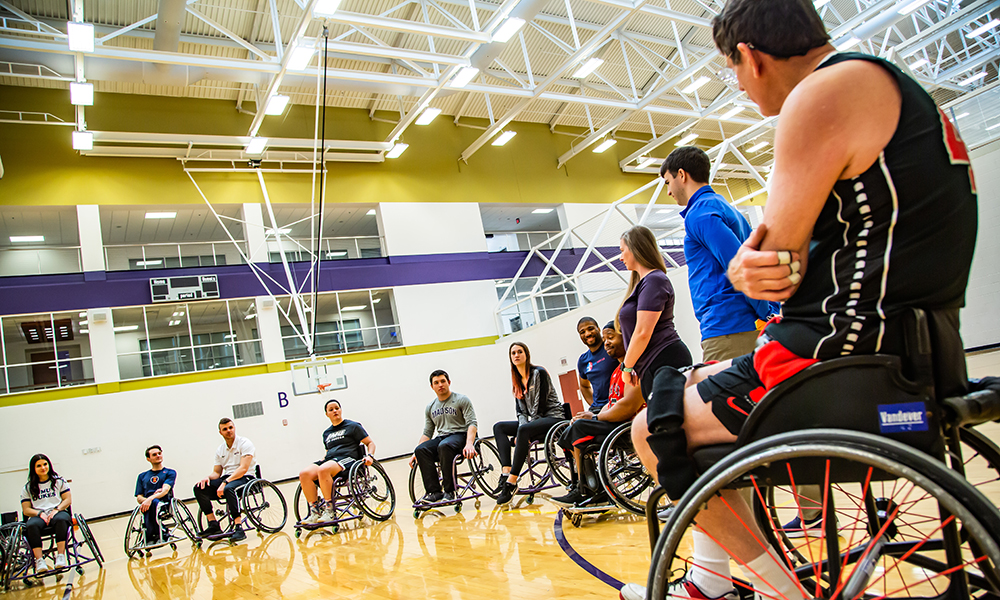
(60, 524)
(533, 431)
(675, 355)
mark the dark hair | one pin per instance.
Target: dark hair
(586, 320)
(610, 325)
(33, 480)
(332, 400)
(781, 28)
(151, 447)
(693, 160)
(438, 373)
(224, 420)
(515, 375)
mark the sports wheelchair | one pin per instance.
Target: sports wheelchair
(176, 524)
(261, 504)
(19, 561)
(473, 478)
(883, 439)
(358, 491)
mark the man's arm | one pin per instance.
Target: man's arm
(239, 472)
(713, 233)
(216, 473)
(586, 389)
(624, 409)
(470, 442)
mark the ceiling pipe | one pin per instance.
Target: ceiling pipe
(169, 17)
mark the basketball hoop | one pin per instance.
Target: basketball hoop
(323, 387)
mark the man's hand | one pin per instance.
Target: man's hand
(764, 275)
(367, 459)
(203, 482)
(221, 490)
(413, 460)
(583, 414)
(146, 504)
(469, 451)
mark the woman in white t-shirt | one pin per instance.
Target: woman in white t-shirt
(45, 501)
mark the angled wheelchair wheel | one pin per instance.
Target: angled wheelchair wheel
(89, 539)
(488, 469)
(555, 456)
(135, 534)
(622, 474)
(20, 560)
(182, 516)
(898, 524)
(300, 506)
(264, 505)
(372, 490)
(416, 484)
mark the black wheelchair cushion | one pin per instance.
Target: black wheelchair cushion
(705, 457)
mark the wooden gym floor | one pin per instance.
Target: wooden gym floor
(525, 552)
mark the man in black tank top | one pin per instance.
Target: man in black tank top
(872, 210)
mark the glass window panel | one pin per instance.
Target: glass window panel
(356, 307)
(167, 326)
(385, 307)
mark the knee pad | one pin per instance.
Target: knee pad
(665, 402)
(588, 478)
(665, 418)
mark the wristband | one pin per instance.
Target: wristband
(627, 370)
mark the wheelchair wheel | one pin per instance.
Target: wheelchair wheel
(182, 516)
(621, 472)
(416, 484)
(20, 560)
(372, 490)
(135, 534)
(486, 465)
(555, 456)
(916, 528)
(264, 505)
(300, 506)
(88, 537)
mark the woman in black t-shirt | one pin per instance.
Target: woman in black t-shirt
(343, 440)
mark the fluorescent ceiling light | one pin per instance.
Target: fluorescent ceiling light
(371, 212)
(983, 29)
(542, 211)
(276, 105)
(645, 161)
(919, 63)
(353, 308)
(84, 315)
(300, 58)
(912, 6)
(174, 322)
(990, 128)
(149, 263)
(81, 36)
(756, 147)
(587, 68)
(376, 300)
(336, 254)
(161, 215)
(27, 238)
(605, 145)
(847, 42)
(256, 145)
(506, 31)
(248, 317)
(464, 76)
(325, 8)
(84, 331)
(504, 138)
(121, 328)
(729, 114)
(81, 94)
(684, 141)
(428, 115)
(83, 140)
(397, 150)
(965, 114)
(974, 78)
(282, 231)
(694, 85)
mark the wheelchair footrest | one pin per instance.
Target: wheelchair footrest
(973, 409)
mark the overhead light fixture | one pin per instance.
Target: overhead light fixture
(645, 161)
(919, 63)
(353, 308)
(965, 114)
(605, 145)
(757, 146)
(121, 328)
(83, 140)
(912, 6)
(174, 322)
(973, 79)
(376, 300)
(506, 31)
(371, 212)
(464, 76)
(696, 84)
(299, 58)
(846, 42)
(397, 150)
(81, 36)
(983, 29)
(684, 141)
(148, 263)
(542, 211)
(83, 315)
(504, 138)
(729, 114)
(161, 215)
(84, 331)
(81, 94)
(282, 231)
(587, 68)
(18, 239)
(992, 127)
(250, 316)
(276, 105)
(336, 254)
(325, 8)
(428, 115)
(256, 145)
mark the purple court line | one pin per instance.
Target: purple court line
(579, 560)
(69, 586)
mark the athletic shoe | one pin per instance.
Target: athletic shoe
(315, 513)
(432, 497)
(682, 589)
(329, 513)
(165, 534)
(212, 529)
(41, 565)
(449, 496)
(664, 513)
(573, 496)
(238, 535)
(600, 499)
(506, 493)
(812, 528)
(61, 562)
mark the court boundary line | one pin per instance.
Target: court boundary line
(582, 562)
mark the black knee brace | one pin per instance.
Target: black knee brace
(665, 419)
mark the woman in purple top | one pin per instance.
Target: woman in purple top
(646, 317)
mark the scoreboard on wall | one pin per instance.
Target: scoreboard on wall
(175, 289)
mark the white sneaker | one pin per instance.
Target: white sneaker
(329, 513)
(632, 591)
(315, 513)
(61, 562)
(682, 589)
(41, 565)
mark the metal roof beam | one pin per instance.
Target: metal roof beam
(413, 27)
(943, 28)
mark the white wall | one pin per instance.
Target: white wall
(441, 312)
(431, 228)
(980, 325)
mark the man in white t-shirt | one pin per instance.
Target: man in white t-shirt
(233, 460)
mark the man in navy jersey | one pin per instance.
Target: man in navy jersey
(870, 182)
(151, 487)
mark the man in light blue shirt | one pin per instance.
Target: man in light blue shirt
(714, 232)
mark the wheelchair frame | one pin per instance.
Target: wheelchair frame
(181, 519)
(348, 499)
(466, 482)
(256, 490)
(19, 564)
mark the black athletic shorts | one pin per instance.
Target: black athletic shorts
(586, 432)
(345, 462)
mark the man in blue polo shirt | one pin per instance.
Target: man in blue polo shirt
(714, 232)
(152, 487)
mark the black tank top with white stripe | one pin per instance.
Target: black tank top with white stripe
(899, 235)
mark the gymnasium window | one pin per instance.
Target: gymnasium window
(42, 351)
(346, 322)
(183, 338)
(556, 298)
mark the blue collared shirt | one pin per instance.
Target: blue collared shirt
(714, 232)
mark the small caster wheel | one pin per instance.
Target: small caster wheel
(149, 553)
(79, 571)
(335, 528)
(416, 514)
(576, 520)
(298, 532)
(478, 504)
(198, 544)
(531, 499)
(458, 507)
